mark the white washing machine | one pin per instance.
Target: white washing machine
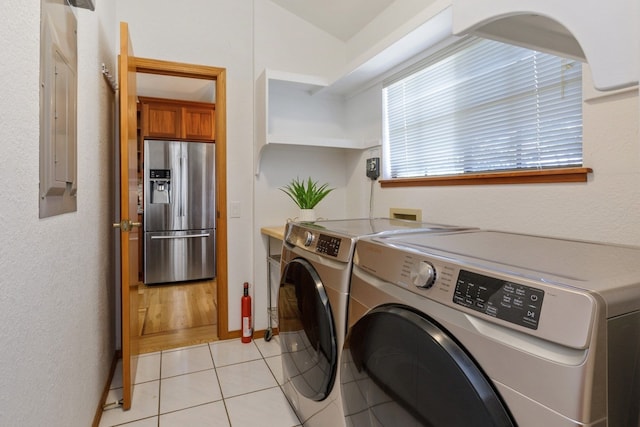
(485, 328)
(312, 306)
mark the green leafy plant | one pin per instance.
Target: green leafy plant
(306, 194)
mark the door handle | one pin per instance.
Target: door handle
(126, 225)
(188, 236)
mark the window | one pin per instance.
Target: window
(482, 106)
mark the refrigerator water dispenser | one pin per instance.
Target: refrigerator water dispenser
(160, 191)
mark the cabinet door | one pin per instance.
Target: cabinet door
(198, 123)
(162, 120)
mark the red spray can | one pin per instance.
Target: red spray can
(246, 315)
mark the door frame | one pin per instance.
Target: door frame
(218, 76)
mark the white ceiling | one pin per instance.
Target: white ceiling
(186, 89)
(340, 18)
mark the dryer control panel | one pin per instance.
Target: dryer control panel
(513, 302)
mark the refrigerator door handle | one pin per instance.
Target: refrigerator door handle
(182, 185)
(190, 236)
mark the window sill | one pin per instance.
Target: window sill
(546, 176)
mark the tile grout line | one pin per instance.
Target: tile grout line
(263, 357)
(160, 386)
(215, 370)
(280, 386)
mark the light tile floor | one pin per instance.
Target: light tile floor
(223, 383)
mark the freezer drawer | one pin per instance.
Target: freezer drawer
(176, 256)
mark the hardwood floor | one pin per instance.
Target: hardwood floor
(177, 315)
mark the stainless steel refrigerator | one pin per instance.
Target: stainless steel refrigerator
(179, 211)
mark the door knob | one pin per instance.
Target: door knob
(126, 225)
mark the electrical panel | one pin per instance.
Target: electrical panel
(58, 109)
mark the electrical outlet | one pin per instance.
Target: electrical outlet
(373, 168)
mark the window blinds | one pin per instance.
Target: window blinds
(483, 106)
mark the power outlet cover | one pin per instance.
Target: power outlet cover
(373, 168)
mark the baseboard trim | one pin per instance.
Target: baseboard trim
(98, 415)
(256, 334)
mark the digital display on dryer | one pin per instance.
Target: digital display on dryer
(328, 245)
(498, 298)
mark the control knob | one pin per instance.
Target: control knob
(308, 238)
(423, 275)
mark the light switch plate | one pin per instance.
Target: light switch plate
(235, 209)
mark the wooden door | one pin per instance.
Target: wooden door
(129, 228)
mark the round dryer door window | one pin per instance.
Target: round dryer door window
(400, 368)
(307, 331)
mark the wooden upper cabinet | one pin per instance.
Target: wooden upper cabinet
(174, 119)
(161, 120)
(198, 122)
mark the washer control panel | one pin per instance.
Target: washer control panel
(328, 245)
(323, 243)
(423, 274)
(513, 302)
(535, 303)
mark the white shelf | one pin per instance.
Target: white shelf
(314, 141)
(308, 82)
(306, 110)
(294, 109)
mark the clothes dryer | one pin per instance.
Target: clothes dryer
(312, 306)
(485, 328)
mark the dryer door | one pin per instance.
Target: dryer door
(400, 368)
(307, 331)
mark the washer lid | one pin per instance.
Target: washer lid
(336, 239)
(368, 226)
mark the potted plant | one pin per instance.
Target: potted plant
(306, 195)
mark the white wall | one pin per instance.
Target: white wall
(246, 38)
(285, 42)
(606, 208)
(397, 20)
(216, 33)
(230, 35)
(57, 300)
(603, 209)
(272, 207)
